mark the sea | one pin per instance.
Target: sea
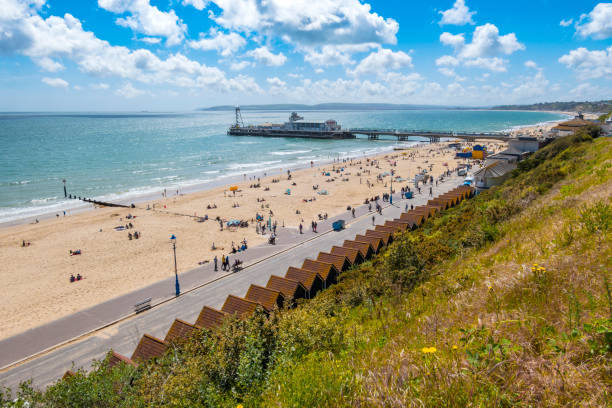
(129, 157)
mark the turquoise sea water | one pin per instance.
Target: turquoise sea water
(122, 156)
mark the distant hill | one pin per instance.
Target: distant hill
(597, 107)
(327, 106)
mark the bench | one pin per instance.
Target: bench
(142, 306)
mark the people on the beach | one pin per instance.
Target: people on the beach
(215, 261)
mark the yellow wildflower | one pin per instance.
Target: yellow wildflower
(428, 350)
(455, 347)
(239, 406)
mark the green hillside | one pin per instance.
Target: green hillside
(599, 106)
(504, 300)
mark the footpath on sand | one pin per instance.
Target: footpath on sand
(44, 353)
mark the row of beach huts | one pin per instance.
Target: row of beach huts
(298, 283)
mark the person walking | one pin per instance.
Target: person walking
(353, 212)
(301, 228)
(373, 220)
(223, 262)
(227, 263)
(215, 260)
(430, 191)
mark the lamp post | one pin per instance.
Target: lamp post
(391, 192)
(176, 282)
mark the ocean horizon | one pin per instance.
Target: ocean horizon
(122, 156)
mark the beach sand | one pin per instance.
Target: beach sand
(36, 277)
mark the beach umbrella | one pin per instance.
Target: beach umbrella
(233, 188)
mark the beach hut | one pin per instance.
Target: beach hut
(210, 318)
(391, 230)
(290, 288)
(149, 347)
(180, 329)
(364, 247)
(353, 255)
(401, 226)
(386, 237)
(341, 262)
(269, 299)
(376, 242)
(416, 219)
(312, 281)
(116, 358)
(326, 270)
(238, 306)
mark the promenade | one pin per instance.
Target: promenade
(44, 353)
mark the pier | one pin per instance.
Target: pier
(433, 136)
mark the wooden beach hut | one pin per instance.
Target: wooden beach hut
(386, 237)
(180, 329)
(210, 318)
(353, 255)
(326, 270)
(116, 358)
(401, 227)
(391, 230)
(416, 218)
(149, 347)
(290, 288)
(238, 306)
(376, 242)
(312, 281)
(269, 299)
(341, 262)
(364, 247)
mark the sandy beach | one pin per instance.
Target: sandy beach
(37, 276)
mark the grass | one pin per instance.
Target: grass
(502, 301)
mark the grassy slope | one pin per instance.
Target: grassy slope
(454, 314)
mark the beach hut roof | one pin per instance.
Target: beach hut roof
(353, 255)
(364, 247)
(306, 278)
(210, 318)
(376, 242)
(116, 358)
(239, 306)
(180, 329)
(149, 347)
(325, 269)
(385, 236)
(290, 288)
(341, 262)
(268, 298)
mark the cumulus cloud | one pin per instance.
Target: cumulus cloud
(589, 64)
(275, 81)
(128, 91)
(531, 64)
(327, 32)
(597, 24)
(55, 82)
(53, 38)
(240, 65)
(264, 55)
(447, 60)
(483, 50)
(225, 44)
(49, 65)
(381, 61)
(460, 14)
(566, 23)
(198, 4)
(100, 86)
(147, 19)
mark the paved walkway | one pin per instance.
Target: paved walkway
(46, 352)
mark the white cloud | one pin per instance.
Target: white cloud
(566, 23)
(128, 91)
(49, 65)
(275, 81)
(264, 55)
(381, 61)
(589, 64)
(55, 82)
(597, 24)
(225, 44)
(531, 87)
(484, 49)
(460, 14)
(449, 72)
(239, 66)
(198, 4)
(319, 70)
(328, 55)
(147, 19)
(456, 41)
(531, 64)
(100, 86)
(308, 22)
(47, 40)
(150, 40)
(447, 60)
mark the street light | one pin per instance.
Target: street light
(176, 282)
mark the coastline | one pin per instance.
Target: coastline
(37, 276)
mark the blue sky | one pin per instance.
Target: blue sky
(183, 54)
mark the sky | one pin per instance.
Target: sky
(176, 55)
